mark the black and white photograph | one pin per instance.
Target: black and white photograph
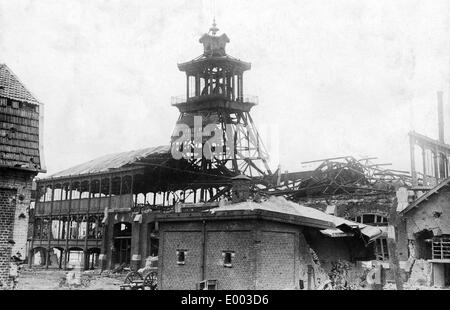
(224, 145)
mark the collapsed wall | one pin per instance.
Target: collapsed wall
(334, 261)
(349, 208)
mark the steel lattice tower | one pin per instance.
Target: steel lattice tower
(217, 113)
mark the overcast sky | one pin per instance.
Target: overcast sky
(347, 77)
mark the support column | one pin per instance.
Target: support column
(103, 258)
(30, 256)
(446, 166)
(413, 160)
(50, 226)
(241, 87)
(197, 85)
(87, 222)
(60, 259)
(134, 204)
(68, 232)
(438, 275)
(224, 83)
(424, 164)
(135, 237)
(394, 263)
(436, 165)
(30, 250)
(187, 86)
(238, 82)
(233, 87)
(211, 84)
(135, 245)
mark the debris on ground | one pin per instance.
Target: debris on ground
(56, 279)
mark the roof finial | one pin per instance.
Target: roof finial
(214, 28)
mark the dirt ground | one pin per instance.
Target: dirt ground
(55, 279)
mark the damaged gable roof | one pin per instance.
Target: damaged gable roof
(113, 161)
(339, 226)
(426, 196)
(12, 88)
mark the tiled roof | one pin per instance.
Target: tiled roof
(11, 87)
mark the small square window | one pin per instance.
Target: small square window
(228, 258)
(181, 257)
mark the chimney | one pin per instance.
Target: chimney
(440, 116)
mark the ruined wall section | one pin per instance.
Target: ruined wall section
(336, 260)
(7, 209)
(432, 214)
(21, 183)
(351, 207)
(430, 218)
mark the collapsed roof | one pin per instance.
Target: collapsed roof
(114, 161)
(340, 176)
(280, 209)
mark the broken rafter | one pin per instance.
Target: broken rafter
(342, 175)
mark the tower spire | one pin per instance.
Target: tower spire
(214, 28)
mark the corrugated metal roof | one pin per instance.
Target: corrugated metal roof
(112, 161)
(11, 87)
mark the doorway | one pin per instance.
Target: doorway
(447, 274)
(122, 243)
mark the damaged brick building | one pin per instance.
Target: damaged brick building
(275, 244)
(426, 223)
(224, 221)
(116, 210)
(21, 159)
(357, 190)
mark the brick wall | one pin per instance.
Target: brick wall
(240, 242)
(21, 182)
(181, 277)
(7, 209)
(267, 255)
(277, 260)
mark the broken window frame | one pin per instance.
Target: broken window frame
(440, 247)
(378, 220)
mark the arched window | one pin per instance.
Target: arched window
(371, 219)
